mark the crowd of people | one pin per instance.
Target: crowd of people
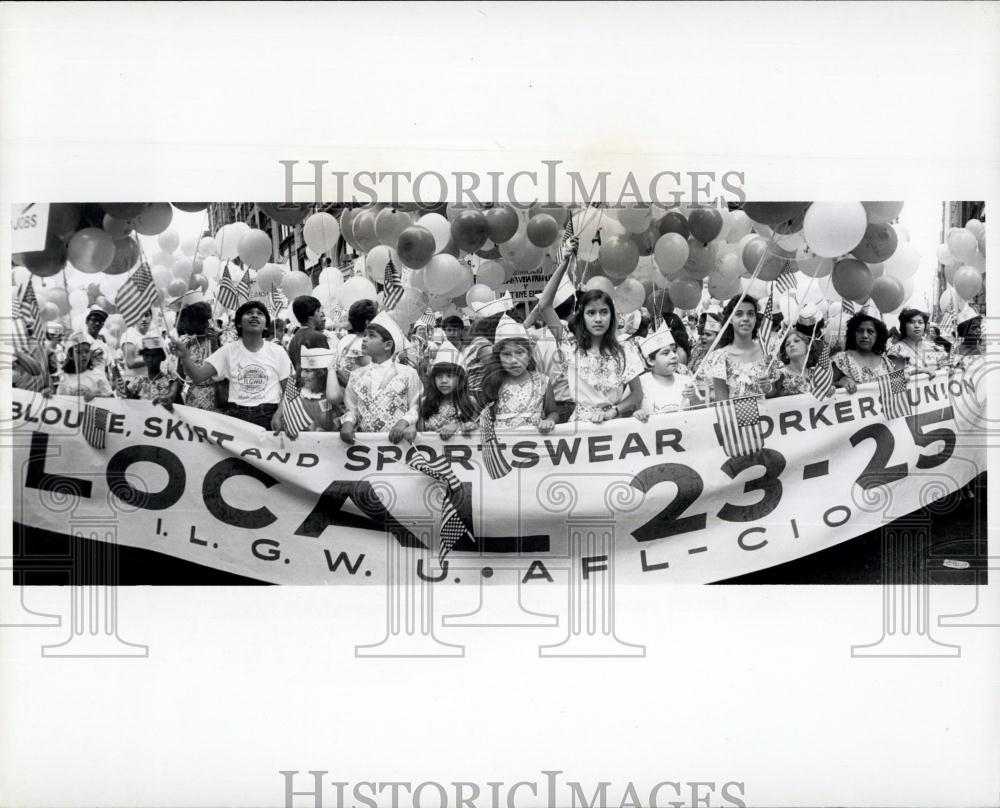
(572, 357)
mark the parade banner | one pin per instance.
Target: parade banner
(691, 497)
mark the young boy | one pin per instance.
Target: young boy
(664, 389)
(382, 396)
(156, 386)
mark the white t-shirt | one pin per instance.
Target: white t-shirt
(254, 377)
(133, 335)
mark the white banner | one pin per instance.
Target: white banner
(661, 501)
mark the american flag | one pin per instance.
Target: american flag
(294, 417)
(767, 323)
(393, 288)
(496, 463)
(848, 307)
(787, 283)
(95, 425)
(738, 421)
(29, 311)
(243, 290)
(453, 528)
(276, 302)
(226, 293)
(822, 378)
(136, 296)
(892, 394)
(428, 318)
(948, 320)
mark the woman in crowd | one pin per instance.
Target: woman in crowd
(969, 345)
(739, 366)
(80, 377)
(196, 332)
(913, 349)
(864, 357)
(349, 352)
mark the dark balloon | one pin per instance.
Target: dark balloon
(878, 244)
(126, 256)
(289, 214)
(503, 223)
(774, 212)
(190, 207)
(64, 220)
(674, 222)
(470, 230)
(47, 262)
(124, 210)
(705, 224)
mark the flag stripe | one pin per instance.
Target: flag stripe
(136, 296)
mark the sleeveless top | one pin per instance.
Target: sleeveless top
(521, 404)
(849, 366)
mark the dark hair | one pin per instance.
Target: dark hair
(194, 319)
(432, 399)
(452, 321)
(383, 333)
(812, 345)
(96, 314)
(152, 352)
(360, 314)
(487, 326)
(881, 332)
(493, 374)
(728, 335)
(304, 307)
(678, 332)
(69, 365)
(963, 328)
(252, 304)
(609, 345)
(908, 314)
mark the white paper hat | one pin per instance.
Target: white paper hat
(657, 341)
(151, 342)
(501, 304)
(509, 329)
(966, 314)
(316, 358)
(398, 339)
(77, 338)
(447, 354)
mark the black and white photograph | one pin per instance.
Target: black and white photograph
(597, 414)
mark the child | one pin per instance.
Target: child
(156, 386)
(382, 396)
(446, 406)
(665, 388)
(319, 388)
(516, 393)
(80, 377)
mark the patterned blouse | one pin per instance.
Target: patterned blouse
(597, 382)
(926, 356)
(201, 395)
(146, 388)
(447, 414)
(792, 383)
(849, 366)
(521, 404)
(740, 377)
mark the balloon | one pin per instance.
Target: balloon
(705, 224)
(882, 212)
(490, 274)
(542, 230)
(852, 280)
(469, 230)
(377, 260)
(902, 234)
(443, 273)
(464, 283)
(363, 226)
(227, 240)
(296, 284)
(754, 252)
(48, 312)
(211, 268)
(183, 269)
(254, 249)
(46, 262)
(671, 252)
(355, 289)
(740, 226)
(168, 240)
(189, 246)
(122, 210)
(126, 255)
(878, 244)
(888, 293)
(635, 220)
(778, 262)
(558, 212)
(685, 293)
(832, 229)
(968, 282)
(416, 280)
(526, 257)
(877, 270)
(321, 232)
(164, 259)
(177, 287)
(794, 241)
(944, 255)
(479, 293)
(331, 279)
(347, 226)
(286, 213)
(91, 250)
(756, 288)
(207, 247)
(439, 227)
(116, 228)
(503, 223)
(78, 299)
(268, 277)
(629, 295)
(904, 262)
(154, 219)
(978, 261)
(389, 223)
(773, 212)
(198, 282)
(950, 299)
(161, 276)
(674, 222)
(962, 244)
(416, 246)
(721, 286)
(602, 283)
(619, 256)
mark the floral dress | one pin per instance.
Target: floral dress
(740, 377)
(521, 404)
(597, 382)
(202, 394)
(349, 356)
(793, 383)
(849, 366)
(146, 388)
(926, 356)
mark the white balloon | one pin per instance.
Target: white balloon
(440, 228)
(832, 229)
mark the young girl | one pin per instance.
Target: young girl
(446, 406)
(799, 358)
(319, 389)
(80, 378)
(739, 366)
(382, 396)
(664, 388)
(515, 392)
(602, 373)
(156, 386)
